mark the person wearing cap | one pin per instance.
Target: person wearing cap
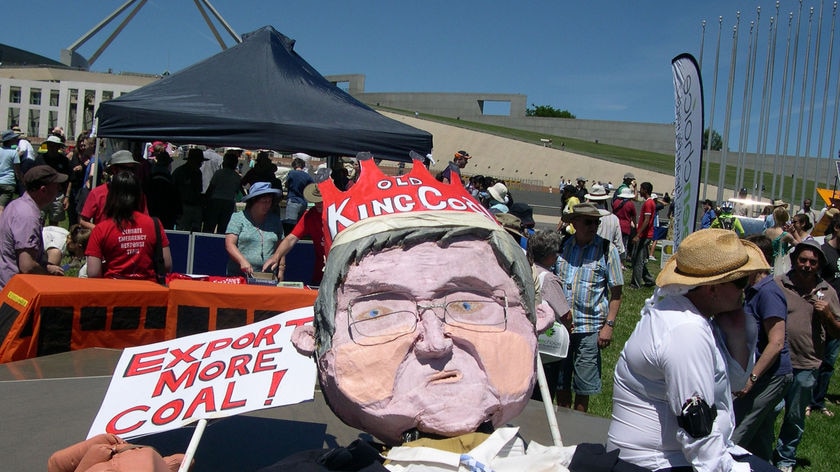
(93, 210)
(673, 383)
(624, 208)
(580, 190)
(123, 245)
(813, 311)
(9, 167)
(591, 270)
(27, 152)
(21, 240)
(188, 181)
(54, 157)
(641, 241)
(610, 227)
(252, 235)
(309, 226)
(629, 182)
(296, 181)
(453, 169)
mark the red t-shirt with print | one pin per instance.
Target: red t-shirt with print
(127, 253)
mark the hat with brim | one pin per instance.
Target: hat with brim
(499, 192)
(9, 135)
(52, 139)
(629, 176)
(626, 192)
(42, 175)
(19, 131)
(312, 193)
(779, 203)
(196, 154)
(122, 158)
(524, 212)
(808, 244)
(258, 189)
(581, 210)
(511, 223)
(598, 192)
(712, 256)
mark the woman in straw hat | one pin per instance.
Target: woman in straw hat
(672, 398)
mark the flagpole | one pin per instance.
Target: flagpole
(781, 113)
(834, 119)
(746, 103)
(809, 130)
(790, 105)
(798, 156)
(712, 111)
(825, 103)
(766, 94)
(728, 113)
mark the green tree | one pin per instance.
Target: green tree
(548, 111)
(717, 141)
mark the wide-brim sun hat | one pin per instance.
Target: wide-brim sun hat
(511, 223)
(53, 139)
(312, 193)
(258, 189)
(626, 192)
(581, 209)
(122, 158)
(498, 191)
(598, 192)
(712, 256)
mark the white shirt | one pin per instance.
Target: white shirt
(26, 150)
(610, 229)
(671, 356)
(503, 451)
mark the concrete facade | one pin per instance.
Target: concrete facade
(468, 106)
(39, 99)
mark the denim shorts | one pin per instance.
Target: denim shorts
(582, 369)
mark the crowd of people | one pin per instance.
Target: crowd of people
(735, 326)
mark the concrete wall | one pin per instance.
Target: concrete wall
(469, 106)
(464, 105)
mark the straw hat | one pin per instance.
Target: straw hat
(779, 203)
(312, 193)
(712, 256)
(582, 209)
(511, 223)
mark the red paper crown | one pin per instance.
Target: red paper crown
(377, 195)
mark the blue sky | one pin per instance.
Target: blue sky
(604, 60)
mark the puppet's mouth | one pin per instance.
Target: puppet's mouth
(447, 376)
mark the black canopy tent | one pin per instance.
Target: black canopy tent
(259, 94)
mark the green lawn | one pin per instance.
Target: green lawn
(818, 450)
(646, 160)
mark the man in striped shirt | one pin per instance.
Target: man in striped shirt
(591, 269)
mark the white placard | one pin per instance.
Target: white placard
(166, 385)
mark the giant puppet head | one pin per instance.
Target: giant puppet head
(425, 319)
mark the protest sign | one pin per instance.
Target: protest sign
(166, 385)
